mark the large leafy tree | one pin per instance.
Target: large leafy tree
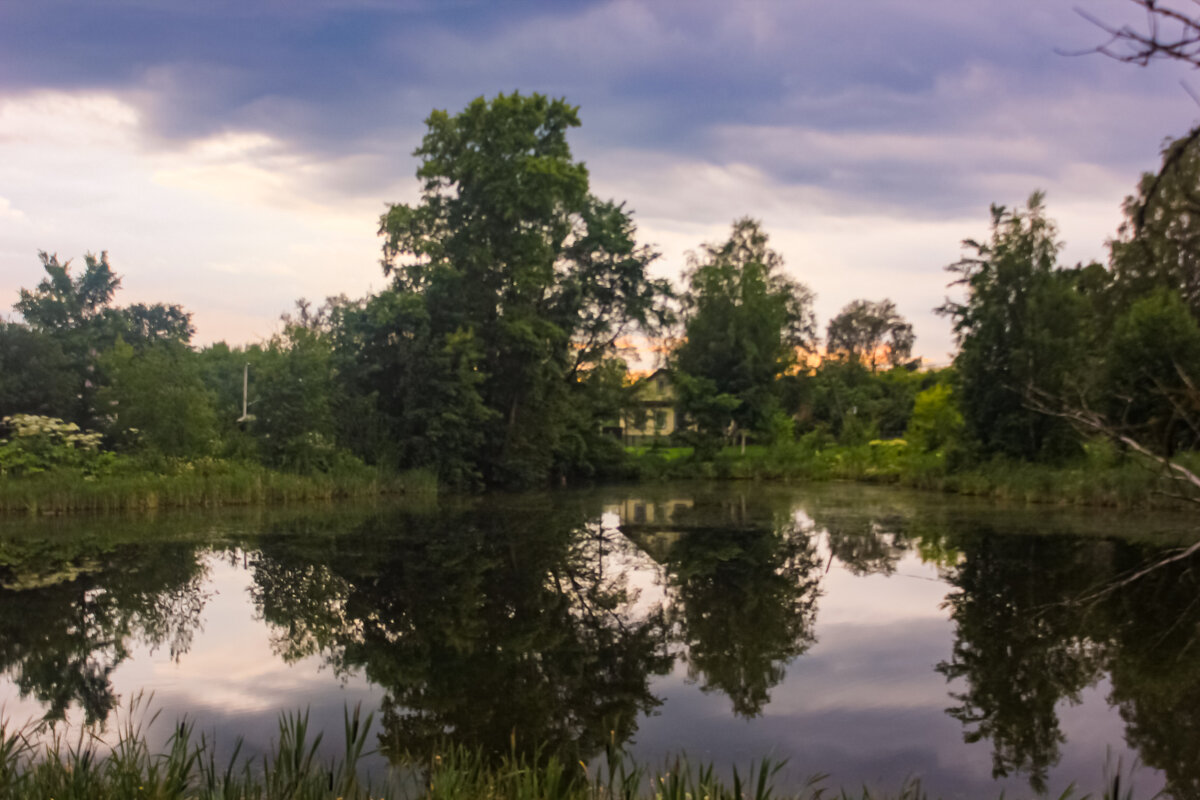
(870, 333)
(157, 401)
(745, 323)
(75, 311)
(1020, 329)
(1158, 245)
(523, 280)
(35, 373)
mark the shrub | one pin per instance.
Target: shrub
(38, 444)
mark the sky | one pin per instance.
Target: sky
(235, 156)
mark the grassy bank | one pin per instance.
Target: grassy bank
(127, 768)
(197, 485)
(1103, 477)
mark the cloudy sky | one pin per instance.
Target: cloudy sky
(234, 156)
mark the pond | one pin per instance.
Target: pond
(871, 634)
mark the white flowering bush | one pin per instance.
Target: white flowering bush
(33, 444)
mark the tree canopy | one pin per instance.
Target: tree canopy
(1018, 327)
(519, 281)
(871, 333)
(745, 323)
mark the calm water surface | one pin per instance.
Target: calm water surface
(871, 634)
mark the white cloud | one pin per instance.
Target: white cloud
(234, 226)
(843, 245)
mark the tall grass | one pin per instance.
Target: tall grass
(205, 484)
(1092, 481)
(87, 768)
(41, 766)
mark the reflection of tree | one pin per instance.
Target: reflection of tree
(486, 625)
(63, 636)
(745, 602)
(867, 548)
(1019, 647)
(1154, 629)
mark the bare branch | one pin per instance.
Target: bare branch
(1086, 419)
(1169, 35)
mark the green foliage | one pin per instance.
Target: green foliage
(76, 314)
(157, 400)
(294, 389)
(199, 484)
(1021, 328)
(35, 444)
(744, 324)
(511, 282)
(35, 374)
(426, 388)
(870, 333)
(1152, 356)
(855, 404)
(936, 423)
(1158, 245)
(187, 769)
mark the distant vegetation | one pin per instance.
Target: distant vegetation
(496, 357)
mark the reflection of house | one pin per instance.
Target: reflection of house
(654, 525)
(653, 413)
(651, 513)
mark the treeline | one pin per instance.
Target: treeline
(498, 354)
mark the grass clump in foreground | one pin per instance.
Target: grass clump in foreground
(88, 768)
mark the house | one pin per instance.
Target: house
(653, 413)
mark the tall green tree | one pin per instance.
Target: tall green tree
(157, 399)
(1158, 245)
(871, 333)
(295, 390)
(1151, 359)
(75, 310)
(745, 324)
(516, 267)
(1021, 328)
(425, 387)
(35, 374)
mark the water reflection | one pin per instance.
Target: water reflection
(557, 620)
(69, 614)
(1020, 647)
(487, 628)
(743, 590)
(1152, 634)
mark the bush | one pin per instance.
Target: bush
(38, 444)
(936, 423)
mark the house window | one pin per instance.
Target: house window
(660, 420)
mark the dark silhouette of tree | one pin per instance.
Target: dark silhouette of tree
(66, 625)
(870, 333)
(486, 626)
(744, 324)
(1020, 647)
(744, 602)
(511, 283)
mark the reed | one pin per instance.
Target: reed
(1088, 482)
(38, 765)
(199, 485)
